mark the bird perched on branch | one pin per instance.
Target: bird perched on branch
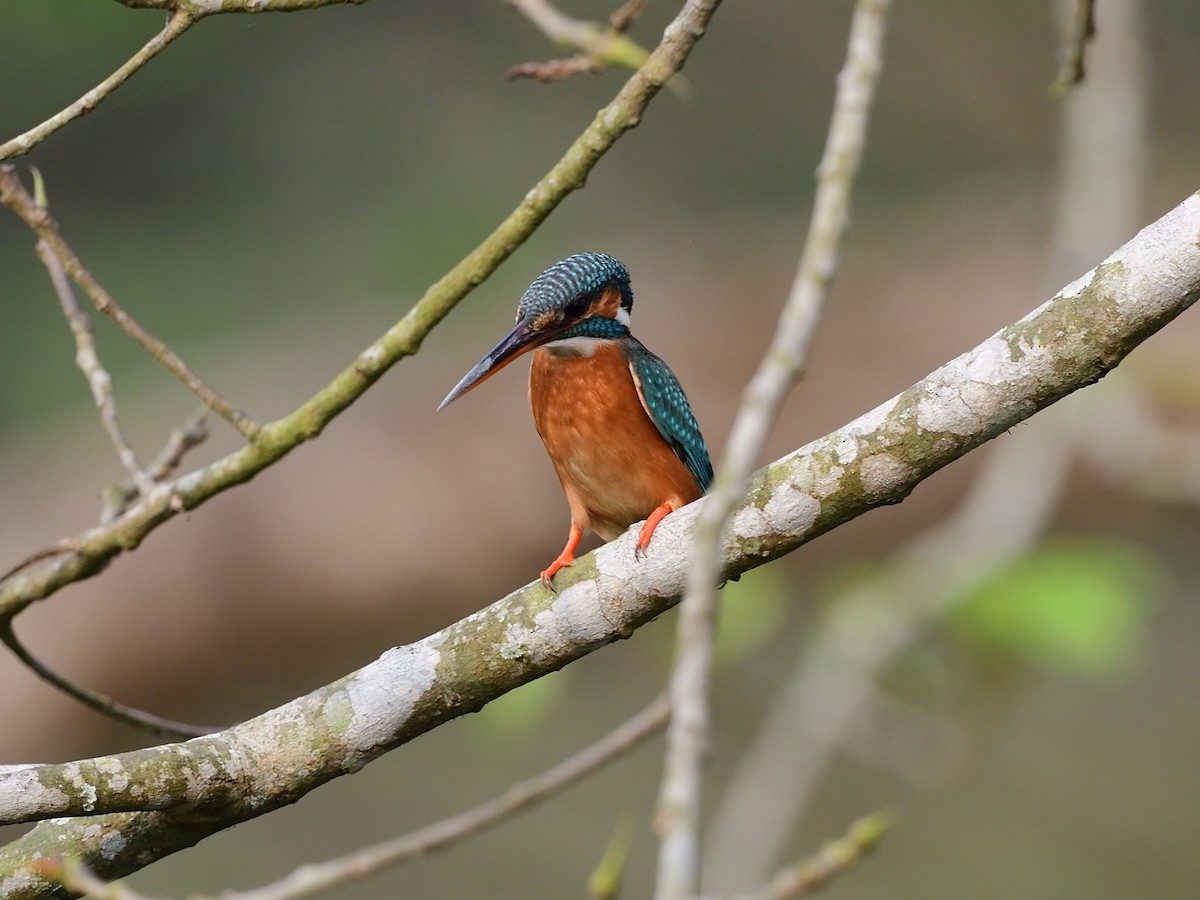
(615, 422)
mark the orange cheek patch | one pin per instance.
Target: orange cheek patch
(606, 304)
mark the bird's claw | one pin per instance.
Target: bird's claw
(550, 571)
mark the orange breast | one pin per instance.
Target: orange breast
(614, 466)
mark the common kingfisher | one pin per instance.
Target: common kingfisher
(615, 422)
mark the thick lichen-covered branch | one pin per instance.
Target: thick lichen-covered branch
(90, 550)
(194, 789)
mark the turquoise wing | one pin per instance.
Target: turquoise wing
(668, 408)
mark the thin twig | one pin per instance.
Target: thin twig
(38, 218)
(311, 879)
(75, 876)
(117, 497)
(209, 7)
(679, 801)
(559, 27)
(596, 46)
(23, 143)
(66, 545)
(605, 881)
(190, 434)
(622, 18)
(1071, 69)
(105, 706)
(184, 14)
(813, 874)
(832, 860)
(553, 69)
(89, 363)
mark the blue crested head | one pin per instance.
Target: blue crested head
(570, 286)
(586, 295)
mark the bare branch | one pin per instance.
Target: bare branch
(190, 434)
(832, 860)
(214, 782)
(622, 18)
(118, 497)
(679, 801)
(311, 879)
(77, 877)
(184, 14)
(1071, 69)
(106, 706)
(199, 8)
(94, 548)
(38, 218)
(23, 143)
(66, 545)
(554, 69)
(89, 363)
(605, 881)
(596, 46)
(559, 27)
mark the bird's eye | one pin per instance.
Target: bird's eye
(579, 306)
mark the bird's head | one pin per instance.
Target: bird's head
(585, 297)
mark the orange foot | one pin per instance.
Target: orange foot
(566, 558)
(643, 541)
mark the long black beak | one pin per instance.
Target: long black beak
(516, 342)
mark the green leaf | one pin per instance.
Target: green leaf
(1075, 605)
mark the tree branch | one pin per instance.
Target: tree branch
(1071, 68)
(679, 806)
(92, 549)
(93, 370)
(184, 14)
(180, 22)
(105, 706)
(190, 434)
(213, 782)
(116, 497)
(833, 859)
(200, 8)
(313, 878)
(38, 218)
(310, 878)
(596, 47)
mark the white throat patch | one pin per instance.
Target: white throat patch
(574, 346)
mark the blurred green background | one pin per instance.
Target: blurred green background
(274, 191)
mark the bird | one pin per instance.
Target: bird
(613, 417)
